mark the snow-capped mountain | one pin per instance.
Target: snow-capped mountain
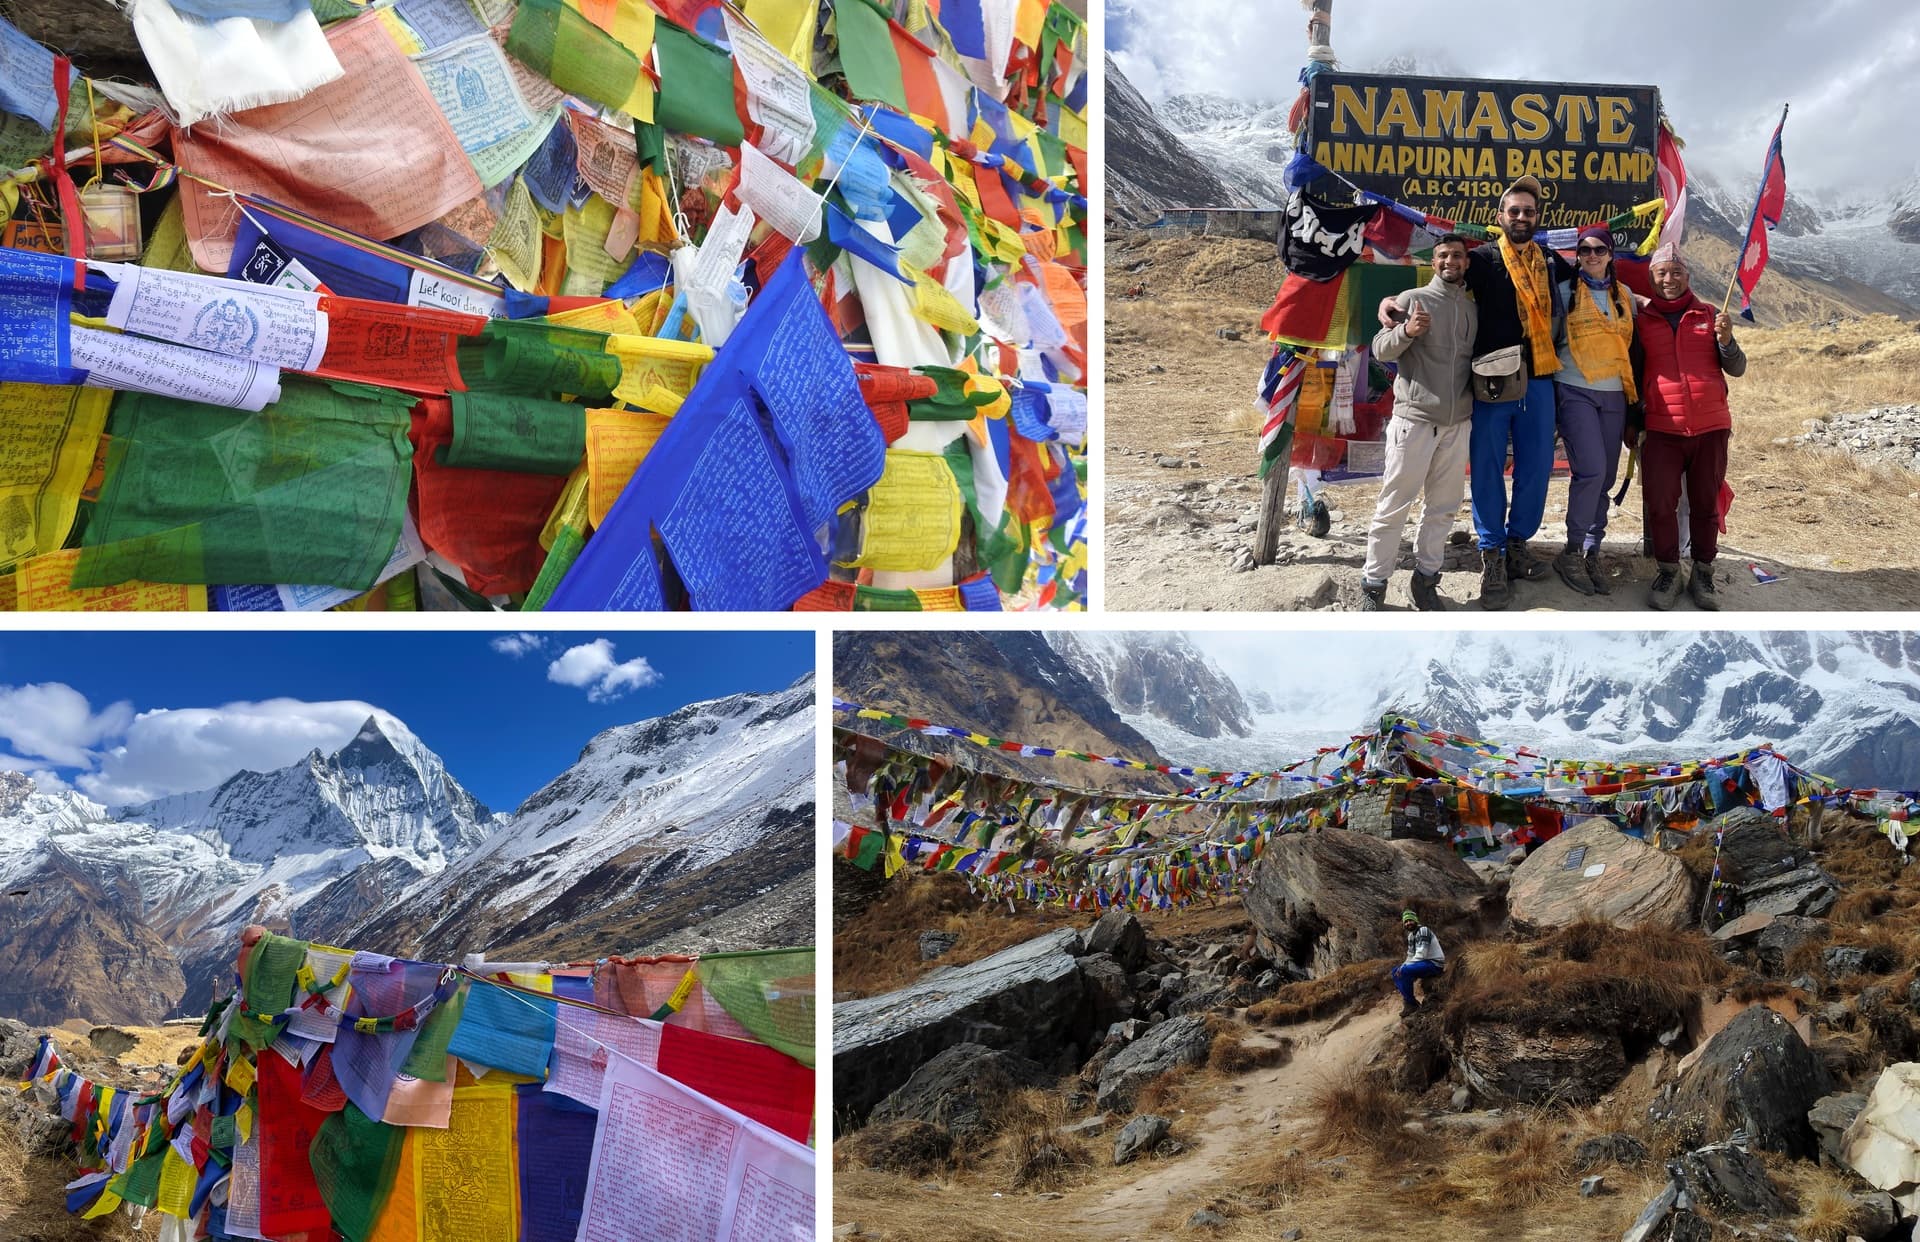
(1149, 168)
(703, 797)
(1161, 675)
(1246, 144)
(132, 913)
(1872, 239)
(197, 867)
(1845, 705)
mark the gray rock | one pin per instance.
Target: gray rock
(1462, 1099)
(1807, 984)
(1110, 998)
(934, 943)
(19, 1045)
(957, 1089)
(1143, 1133)
(1174, 1043)
(1201, 1000)
(1617, 1148)
(1329, 899)
(1637, 885)
(1755, 1075)
(1091, 1127)
(1120, 935)
(1830, 1116)
(1029, 999)
(1807, 890)
(111, 1040)
(1875, 1216)
(1731, 1180)
(1204, 1219)
(1841, 960)
(1269, 982)
(1753, 845)
(1169, 463)
(1591, 1186)
(1772, 938)
(1293, 1235)
(1128, 1031)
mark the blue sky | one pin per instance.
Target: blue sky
(124, 714)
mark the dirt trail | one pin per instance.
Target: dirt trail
(1182, 491)
(1261, 1109)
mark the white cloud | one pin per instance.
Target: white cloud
(55, 722)
(591, 666)
(517, 645)
(175, 750)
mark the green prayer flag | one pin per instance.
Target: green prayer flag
(696, 87)
(495, 431)
(769, 992)
(354, 1160)
(269, 982)
(428, 1057)
(571, 52)
(567, 546)
(867, 55)
(311, 490)
(141, 1182)
(536, 358)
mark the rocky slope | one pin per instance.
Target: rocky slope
(659, 824)
(1149, 168)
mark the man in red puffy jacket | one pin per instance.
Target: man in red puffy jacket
(1683, 350)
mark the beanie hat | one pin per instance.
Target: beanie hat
(1600, 231)
(1667, 253)
(1409, 917)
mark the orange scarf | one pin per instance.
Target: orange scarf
(1527, 265)
(1600, 343)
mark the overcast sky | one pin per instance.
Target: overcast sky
(1850, 68)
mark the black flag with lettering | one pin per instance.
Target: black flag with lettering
(1318, 239)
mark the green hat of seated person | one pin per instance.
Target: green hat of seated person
(1409, 917)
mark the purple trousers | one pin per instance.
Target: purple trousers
(1592, 425)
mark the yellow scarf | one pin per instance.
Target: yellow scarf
(1599, 343)
(1527, 265)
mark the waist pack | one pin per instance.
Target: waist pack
(1500, 375)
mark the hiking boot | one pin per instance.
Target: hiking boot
(1316, 519)
(1373, 596)
(1426, 592)
(1701, 587)
(1408, 1007)
(1572, 568)
(1494, 591)
(1666, 588)
(1521, 567)
(1597, 573)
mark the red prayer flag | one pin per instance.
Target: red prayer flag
(764, 1083)
(290, 1200)
(485, 521)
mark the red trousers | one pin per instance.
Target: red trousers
(1669, 463)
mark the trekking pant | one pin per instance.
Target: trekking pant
(1592, 425)
(1407, 974)
(1697, 465)
(1528, 425)
(1422, 461)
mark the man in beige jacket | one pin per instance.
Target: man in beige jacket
(1427, 440)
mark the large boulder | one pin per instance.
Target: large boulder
(1502, 1063)
(1731, 1180)
(1755, 1075)
(1618, 880)
(1883, 1143)
(1753, 845)
(1328, 899)
(1028, 999)
(958, 1089)
(1109, 995)
(1173, 1044)
(1119, 933)
(19, 1045)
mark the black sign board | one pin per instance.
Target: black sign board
(1449, 146)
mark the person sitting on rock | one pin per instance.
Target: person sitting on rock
(1425, 959)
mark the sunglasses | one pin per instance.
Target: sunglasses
(1591, 250)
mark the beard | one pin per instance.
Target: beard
(1518, 231)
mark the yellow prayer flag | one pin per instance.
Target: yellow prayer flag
(51, 432)
(912, 520)
(243, 1122)
(1029, 22)
(176, 1186)
(43, 581)
(935, 304)
(466, 1178)
(647, 362)
(789, 25)
(1073, 128)
(105, 1205)
(609, 317)
(569, 510)
(240, 1075)
(617, 442)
